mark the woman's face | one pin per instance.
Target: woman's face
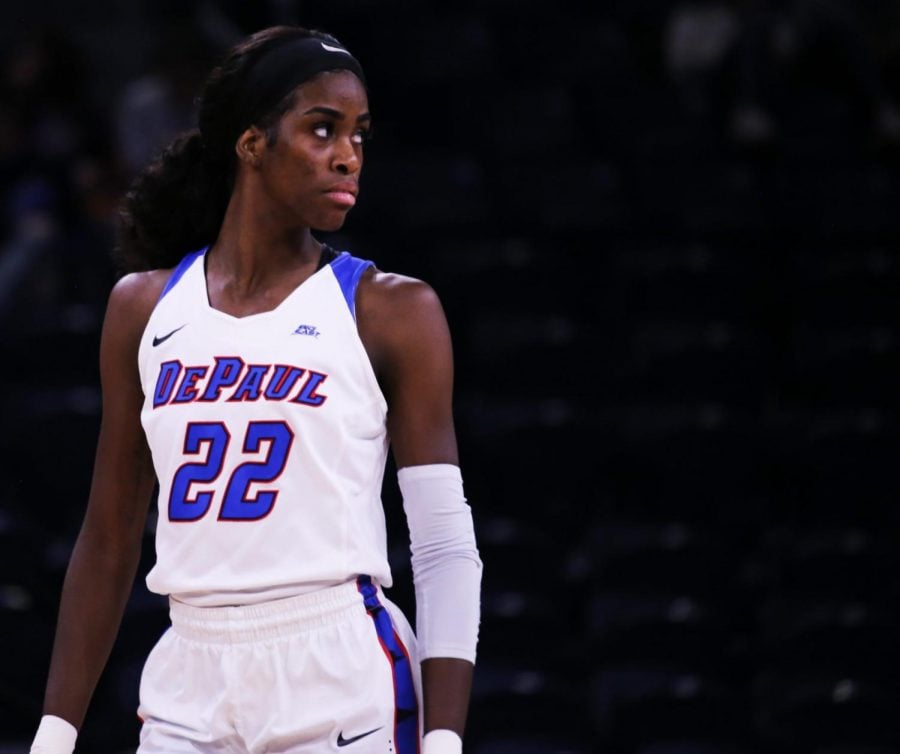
(310, 172)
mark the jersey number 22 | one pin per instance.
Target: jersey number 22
(237, 503)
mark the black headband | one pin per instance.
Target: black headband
(283, 69)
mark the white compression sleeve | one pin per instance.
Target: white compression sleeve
(54, 736)
(445, 561)
(441, 742)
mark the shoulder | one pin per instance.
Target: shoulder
(135, 294)
(131, 302)
(397, 317)
(386, 295)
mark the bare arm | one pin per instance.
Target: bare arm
(103, 564)
(405, 332)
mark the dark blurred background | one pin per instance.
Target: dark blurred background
(666, 237)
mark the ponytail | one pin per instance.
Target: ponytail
(174, 206)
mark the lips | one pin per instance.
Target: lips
(343, 193)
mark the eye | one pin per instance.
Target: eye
(323, 130)
(362, 135)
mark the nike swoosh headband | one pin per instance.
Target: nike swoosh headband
(283, 69)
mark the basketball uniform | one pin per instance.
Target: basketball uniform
(269, 442)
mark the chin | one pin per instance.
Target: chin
(330, 224)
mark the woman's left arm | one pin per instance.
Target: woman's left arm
(403, 327)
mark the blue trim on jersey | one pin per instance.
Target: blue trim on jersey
(348, 270)
(406, 703)
(180, 269)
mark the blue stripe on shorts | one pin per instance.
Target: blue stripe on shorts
(406, 704)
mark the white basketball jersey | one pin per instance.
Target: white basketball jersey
(268, 438)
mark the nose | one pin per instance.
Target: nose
(346, 160)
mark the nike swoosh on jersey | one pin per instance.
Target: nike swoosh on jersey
(341, 741)
(157, 339)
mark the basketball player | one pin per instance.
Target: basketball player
(257, 375)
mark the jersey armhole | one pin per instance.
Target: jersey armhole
(179, 270)
(348, 270)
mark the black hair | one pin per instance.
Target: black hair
(177, 203)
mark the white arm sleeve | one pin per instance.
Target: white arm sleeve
(445, 561)
(54, 736)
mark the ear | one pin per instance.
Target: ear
(250, 145)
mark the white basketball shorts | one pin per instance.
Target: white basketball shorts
(334, 670)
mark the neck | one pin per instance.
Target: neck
(255, 244)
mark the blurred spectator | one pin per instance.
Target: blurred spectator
(159, 104)
(781, 53)
(699, 36)
(54, 158)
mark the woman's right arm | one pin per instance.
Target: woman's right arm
(103, 564)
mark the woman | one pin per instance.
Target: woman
(258, 379)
